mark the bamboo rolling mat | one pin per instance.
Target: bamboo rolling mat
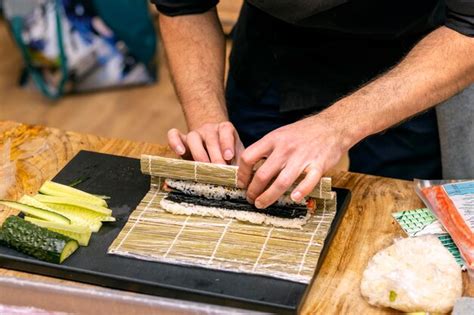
(225, 175)
(153, 234)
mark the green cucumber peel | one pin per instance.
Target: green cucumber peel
(36, 212)
(81, 234)
(37, 241)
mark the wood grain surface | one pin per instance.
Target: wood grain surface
(29, 155)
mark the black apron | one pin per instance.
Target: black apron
(321, 50)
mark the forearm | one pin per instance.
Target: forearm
(195, 47)
(438, 67)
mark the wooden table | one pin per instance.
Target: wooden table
(38, 153)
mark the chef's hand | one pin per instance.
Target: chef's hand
(211, 142)
(312, 146)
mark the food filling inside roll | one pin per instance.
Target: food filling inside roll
(188, 197)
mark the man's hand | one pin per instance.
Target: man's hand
(212, 142)
(195, 47)
(312, 146)
(439, 66)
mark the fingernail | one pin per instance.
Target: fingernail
(296, 196)
(249, 200)
(228, 154)
(240, 184)
(179, 150)
(258, 204)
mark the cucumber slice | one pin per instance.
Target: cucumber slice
(79, 216)
(30, 201)
(71, 201)
(108, 219)
(56, 189)
(36, 241)
(36, 212)
(73, 216)
(81, 234)
(68, 250)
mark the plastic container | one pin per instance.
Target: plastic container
(452, 202)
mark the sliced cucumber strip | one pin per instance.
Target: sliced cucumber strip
(30, 201)
(81, 234)
(80, 216)
(56, 189)
(88, 222)
(108, 219)
(71, 212)
(71, 201)
(68, 249)
(37, 212)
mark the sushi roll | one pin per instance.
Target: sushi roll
(192, 198)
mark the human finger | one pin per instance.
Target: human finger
(196, 146)
(263, 176)
(227, 140)
(175, 141)
(282, 183)
(311, 179)
(213, 148)
(249, 158)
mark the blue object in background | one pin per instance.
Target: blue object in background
(83, 45)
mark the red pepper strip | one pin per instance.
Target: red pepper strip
(165, 187)
(311, 205)
(452, 220)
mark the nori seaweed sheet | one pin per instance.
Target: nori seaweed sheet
(288, 212)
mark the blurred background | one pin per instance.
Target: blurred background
(141, 113)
